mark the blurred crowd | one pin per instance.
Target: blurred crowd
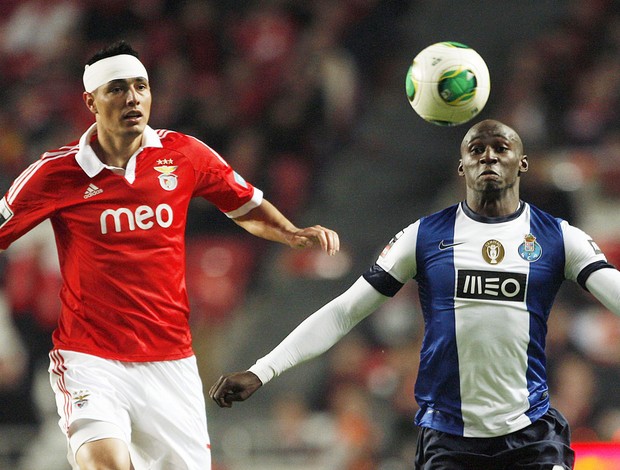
(278, 87)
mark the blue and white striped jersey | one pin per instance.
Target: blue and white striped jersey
(486, 289)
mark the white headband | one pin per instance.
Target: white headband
(112, 68)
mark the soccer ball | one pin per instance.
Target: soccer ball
(448, 83)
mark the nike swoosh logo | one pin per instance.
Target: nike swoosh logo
(444, 246)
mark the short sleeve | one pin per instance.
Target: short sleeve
(28, 202)
(398, 258)
(581, 251)
(218, 182)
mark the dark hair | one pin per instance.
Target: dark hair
(118, 48)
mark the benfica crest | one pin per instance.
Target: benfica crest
(167, 179)
(80, 399)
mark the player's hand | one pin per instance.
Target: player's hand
(237, 386)
(316, 235)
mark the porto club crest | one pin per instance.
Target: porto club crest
(530, 250)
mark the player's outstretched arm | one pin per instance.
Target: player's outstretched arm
(315, 335)
(238, 386)
(266, 221)
(604, 285)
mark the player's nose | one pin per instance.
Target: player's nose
(488, 156)
(132, 96)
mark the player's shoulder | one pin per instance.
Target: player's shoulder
(538, 212)
(53, 172)
(57, 158)
(186, 144)
(446, 214)
(539, 218)
(168, 136)
(66, 150)
(176, 139)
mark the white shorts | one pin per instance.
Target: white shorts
(157, 408)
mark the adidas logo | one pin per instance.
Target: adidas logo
(91, 191)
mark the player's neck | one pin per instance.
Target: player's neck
(116, 150)
(493, 206)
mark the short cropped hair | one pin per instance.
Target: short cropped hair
(118, 48)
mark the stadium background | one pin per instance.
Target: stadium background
(306, 100)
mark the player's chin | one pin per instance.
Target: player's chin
(489, 184)
(133, 129)
(137, 123)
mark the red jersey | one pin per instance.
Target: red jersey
(121, 238)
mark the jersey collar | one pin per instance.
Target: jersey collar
(92, 166)
(492, 220)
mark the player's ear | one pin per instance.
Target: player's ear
(524, 164)
(89, 101)
(460, 169)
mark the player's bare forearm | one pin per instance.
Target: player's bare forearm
(238, 386)
(267, 222)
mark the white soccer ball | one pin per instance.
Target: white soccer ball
(448, 83)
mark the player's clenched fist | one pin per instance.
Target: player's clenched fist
(237, 386)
